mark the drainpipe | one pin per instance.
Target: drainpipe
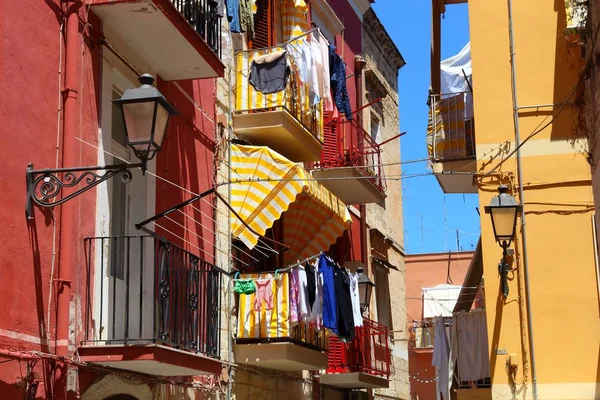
(521, 198)
(64, 281)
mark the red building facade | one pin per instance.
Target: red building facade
(61, 73)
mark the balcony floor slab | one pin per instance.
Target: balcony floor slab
(161, 36)
(280, 356)
(349, 185)
(280, 131)
(355, 380)
(151, 359)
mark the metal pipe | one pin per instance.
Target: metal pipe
(68, 211)
(229, 231)
(521, 198)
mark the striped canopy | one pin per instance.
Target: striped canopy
(265, 185)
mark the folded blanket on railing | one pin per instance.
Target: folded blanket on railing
(269, 73)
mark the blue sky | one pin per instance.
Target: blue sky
(431, 218)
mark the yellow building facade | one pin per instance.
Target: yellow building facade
(556, 246)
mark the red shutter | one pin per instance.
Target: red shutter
(263, 25)
(331, 141)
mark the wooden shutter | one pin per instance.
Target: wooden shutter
(264, 26)
(331, 141)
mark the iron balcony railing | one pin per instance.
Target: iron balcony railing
(295, 98)
(347, 144)
(368, 353)
(202, 15)
(451, 127)
(143, 290)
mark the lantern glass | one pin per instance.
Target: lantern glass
(504, 221)
(139, 118)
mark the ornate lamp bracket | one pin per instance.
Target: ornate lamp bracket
(45, 187)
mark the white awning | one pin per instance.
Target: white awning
(439, 301)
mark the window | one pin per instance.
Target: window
(375, 127)
(263, 25)
(382, 296)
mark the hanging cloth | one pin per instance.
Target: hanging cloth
(311, 287)
(295, 18)
(219, 7)
(266, 322)
(473, 355)
(269, 73)
(233, 15)
(337, 68)
(441, 359)
(356, 312)
(316, 314)
(330, 316)
(246, 18)
(345, 323)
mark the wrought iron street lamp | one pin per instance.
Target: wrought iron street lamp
(145, 114)
(365, 289)
(503, 210)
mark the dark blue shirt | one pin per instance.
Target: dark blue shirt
(337, 71)
(233, 15)
(326, 267)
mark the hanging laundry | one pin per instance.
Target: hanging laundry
(264, 293)
(311, 287)
(473, 353)
(330, 315)
(294, 290)
(269, 73)
(345, 330)
(233, 15)
(356, 311)
(244, 286)
(324, 46)
(295, 18)
(316, 315)
(337, 68)
(246, 18)
(301, 53)
(441, 359)
(303, 308)
(266, 322)
(219, 7)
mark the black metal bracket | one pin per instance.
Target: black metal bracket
(44, 187)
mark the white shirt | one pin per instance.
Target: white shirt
(356, 313)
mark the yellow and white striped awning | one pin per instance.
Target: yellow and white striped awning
(265, 185)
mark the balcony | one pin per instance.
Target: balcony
(285, 121)
(178, 39)
(152, 308)
(451, 141)
(267, 339)
(351, 165)
(363, 364)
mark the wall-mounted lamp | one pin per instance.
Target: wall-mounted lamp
(365, 289)
(503, 210)
(145, 113)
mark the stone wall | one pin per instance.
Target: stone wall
(381, 80)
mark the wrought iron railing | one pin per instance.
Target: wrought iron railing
(451, 127)
(295, 98)
(369, 352)
(143, 290)
(347, 144)
(202, 16)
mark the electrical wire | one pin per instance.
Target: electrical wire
(536, 131)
